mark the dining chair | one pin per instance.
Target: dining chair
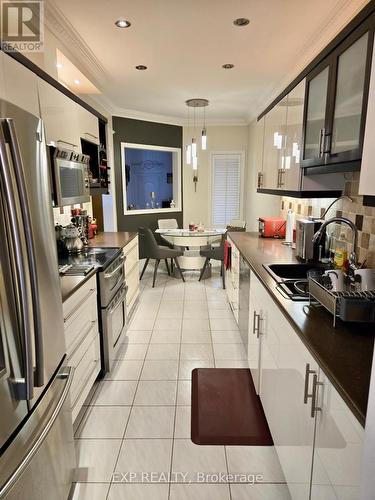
(149, 249)
(214, 253)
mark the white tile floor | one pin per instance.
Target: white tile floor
(138, 419)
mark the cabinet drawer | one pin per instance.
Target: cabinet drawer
(131, 260)
(132, 281)
(73, 302)
(78, 324)
(84, 361)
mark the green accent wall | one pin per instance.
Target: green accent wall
(148, 133)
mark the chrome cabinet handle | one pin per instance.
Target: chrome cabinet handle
(282, 172)
(260, 179)
(24, 386)
(92, 135)
(256, 324)
(66, 142)
(75, 309)
(38, 338)
(314, 407)
(306, 394)
(278, 178)
(322, 134)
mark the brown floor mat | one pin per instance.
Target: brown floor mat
(226, 409)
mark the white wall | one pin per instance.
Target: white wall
(197, 205)
(257, 205)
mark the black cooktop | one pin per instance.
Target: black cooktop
(97, 257)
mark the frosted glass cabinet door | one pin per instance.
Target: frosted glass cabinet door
(274, 145)
(316, 114)
(338, 447)
(292, 163)
(351, 69)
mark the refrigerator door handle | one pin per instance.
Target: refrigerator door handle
(24, 203)
(22, 454)
(23, 387)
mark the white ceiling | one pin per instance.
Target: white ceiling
(185, 42)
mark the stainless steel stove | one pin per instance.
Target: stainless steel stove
(112, 295)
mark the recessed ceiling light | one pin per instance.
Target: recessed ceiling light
(141, 67)
(58, 65)
(228, 66)
(241, 21)
(123, 23)
(77, 82)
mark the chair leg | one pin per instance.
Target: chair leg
(223, 273)
(204, 268)
(155, 271)
(144, 269)
(167, 266)
(179, 269)
(172, 266)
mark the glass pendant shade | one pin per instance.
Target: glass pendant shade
(188, 154)
(204, 139)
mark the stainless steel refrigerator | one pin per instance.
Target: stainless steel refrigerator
(36, 438)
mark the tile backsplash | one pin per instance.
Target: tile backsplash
(63, 216)
(362, 216)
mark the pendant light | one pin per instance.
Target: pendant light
(204, 131)
(188, 146)
(191, 149)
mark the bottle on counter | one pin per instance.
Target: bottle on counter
(340, 259)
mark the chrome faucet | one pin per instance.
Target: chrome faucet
(353, 256)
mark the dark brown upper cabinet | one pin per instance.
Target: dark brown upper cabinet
(336, 103)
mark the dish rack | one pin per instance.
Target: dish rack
(348, 305)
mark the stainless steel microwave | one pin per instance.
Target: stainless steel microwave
(69, 176)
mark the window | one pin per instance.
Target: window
(151, 178)
(226, 188)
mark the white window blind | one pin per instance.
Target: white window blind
(226, 188)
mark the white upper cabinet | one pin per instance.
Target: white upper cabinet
(65, 121)
(367, 178)
(19, 85)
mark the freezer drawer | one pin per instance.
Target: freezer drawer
(40, 462)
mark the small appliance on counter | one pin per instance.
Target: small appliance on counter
(272, 227)
(306, 249)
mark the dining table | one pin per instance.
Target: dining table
(191, 242)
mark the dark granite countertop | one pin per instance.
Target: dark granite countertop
(69, 284)
(344, 353)
(118, 239)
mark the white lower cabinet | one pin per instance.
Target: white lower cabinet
(82, 342)
(232, 280)
(319, 449)
(131, 252)
(338, 446)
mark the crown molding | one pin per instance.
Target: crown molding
(339, 17)
(172, 120)
(74, 44)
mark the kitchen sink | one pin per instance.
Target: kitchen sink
(281, 272)
(291, 279)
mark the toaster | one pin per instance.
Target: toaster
(272, 227)
(306, 249)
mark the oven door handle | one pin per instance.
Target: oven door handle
(112, 273)
(112, 309)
